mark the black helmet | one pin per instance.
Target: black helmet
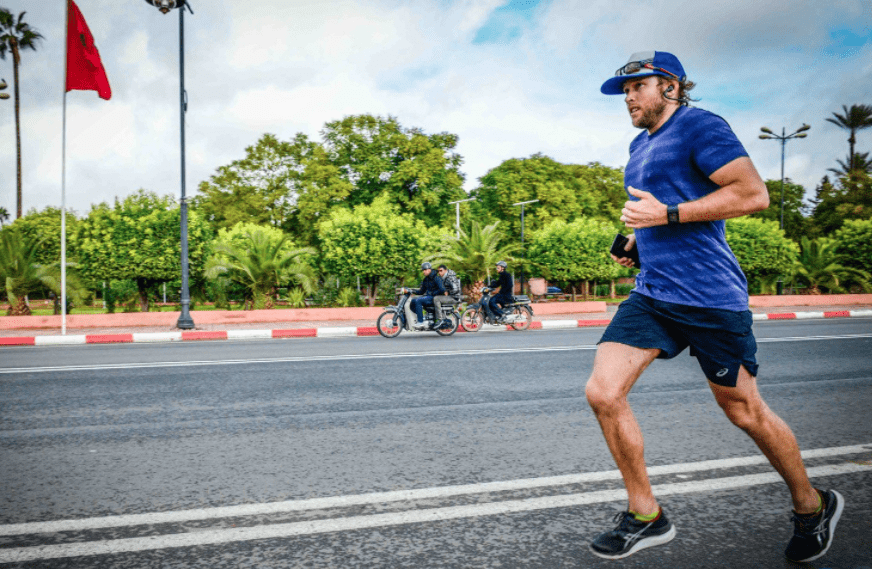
(425, 266)
(502, 264)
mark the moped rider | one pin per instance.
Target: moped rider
(504, 295)
(453, 293)
(431, 286)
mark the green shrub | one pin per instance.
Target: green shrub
(854, 244)
(348, 297)
(296, 298)
(622, 289)
(120, 293)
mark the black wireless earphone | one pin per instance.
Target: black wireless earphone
(669, 90)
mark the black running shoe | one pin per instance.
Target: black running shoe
(813, 534)
(631, 535)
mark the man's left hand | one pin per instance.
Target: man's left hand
(646, 212)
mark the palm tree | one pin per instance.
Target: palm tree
(819, 267)
(856, 118)
(15, 36)
(261, 264)
(4, 216)
(476, 252)
(22, 274)
(862, 163)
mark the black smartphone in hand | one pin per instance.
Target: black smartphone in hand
(618, 251)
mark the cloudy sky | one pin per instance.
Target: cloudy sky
(511, 78)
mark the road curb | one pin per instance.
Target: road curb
(345, 331)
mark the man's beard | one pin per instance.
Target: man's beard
(650, 117)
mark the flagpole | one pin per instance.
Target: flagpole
(64, 182)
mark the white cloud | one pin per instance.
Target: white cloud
(288, 66)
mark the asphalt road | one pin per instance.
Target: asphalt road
(421, 451)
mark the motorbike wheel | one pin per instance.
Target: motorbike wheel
(472, 320)
(526, 317)
(451, 329)
(388, 324)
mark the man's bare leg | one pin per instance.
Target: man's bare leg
(615, 370)
(747, 410)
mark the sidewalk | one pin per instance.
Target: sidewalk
(138, 327)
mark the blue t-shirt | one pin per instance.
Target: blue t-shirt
(690, 263)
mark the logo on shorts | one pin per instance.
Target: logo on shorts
(723, 372)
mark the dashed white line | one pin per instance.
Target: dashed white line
(285, 530)
(401, 495)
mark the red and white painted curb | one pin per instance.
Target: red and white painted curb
(343, 331)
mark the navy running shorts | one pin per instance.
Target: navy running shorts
(721, 340)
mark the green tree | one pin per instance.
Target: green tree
(575, 253)
(820, 268)
(260, 259)
(21, 273)
(44, 227)
(849, 198)
(603, 188)
(796, 222)
(374, 242)
(477, 251)
(4, 216)
(564, 191)
(763, 250)
(321, 187)
(139, 238)
(855, 118)
(14, 37)
(264, 187)
(862, 163)
(378, 156)
(854, 244)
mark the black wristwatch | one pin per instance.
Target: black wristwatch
(672, 214)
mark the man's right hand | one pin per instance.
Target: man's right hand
(626, 261)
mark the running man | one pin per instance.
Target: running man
(687, 173)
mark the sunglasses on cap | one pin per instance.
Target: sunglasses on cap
(637, 66)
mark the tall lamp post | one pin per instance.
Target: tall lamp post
(457, 206)
(769, 135)
(185, 321)
(523, 251)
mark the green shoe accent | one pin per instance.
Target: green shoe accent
(646, 518)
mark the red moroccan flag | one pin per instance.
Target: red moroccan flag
(84, 68)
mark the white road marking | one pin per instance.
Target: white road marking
(400, 495)
(157, 337)
(440, 353)
(337, 332)
(59, 340)
(285, 530)
(248, 334)
(812, 338)
(339, 357)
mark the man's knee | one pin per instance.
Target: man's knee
(745, 414)
(600, 397)
(742, 404)
(743, 410)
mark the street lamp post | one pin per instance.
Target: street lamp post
(769, 135)
(185, 321)
(523, 251)
(457, 206)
